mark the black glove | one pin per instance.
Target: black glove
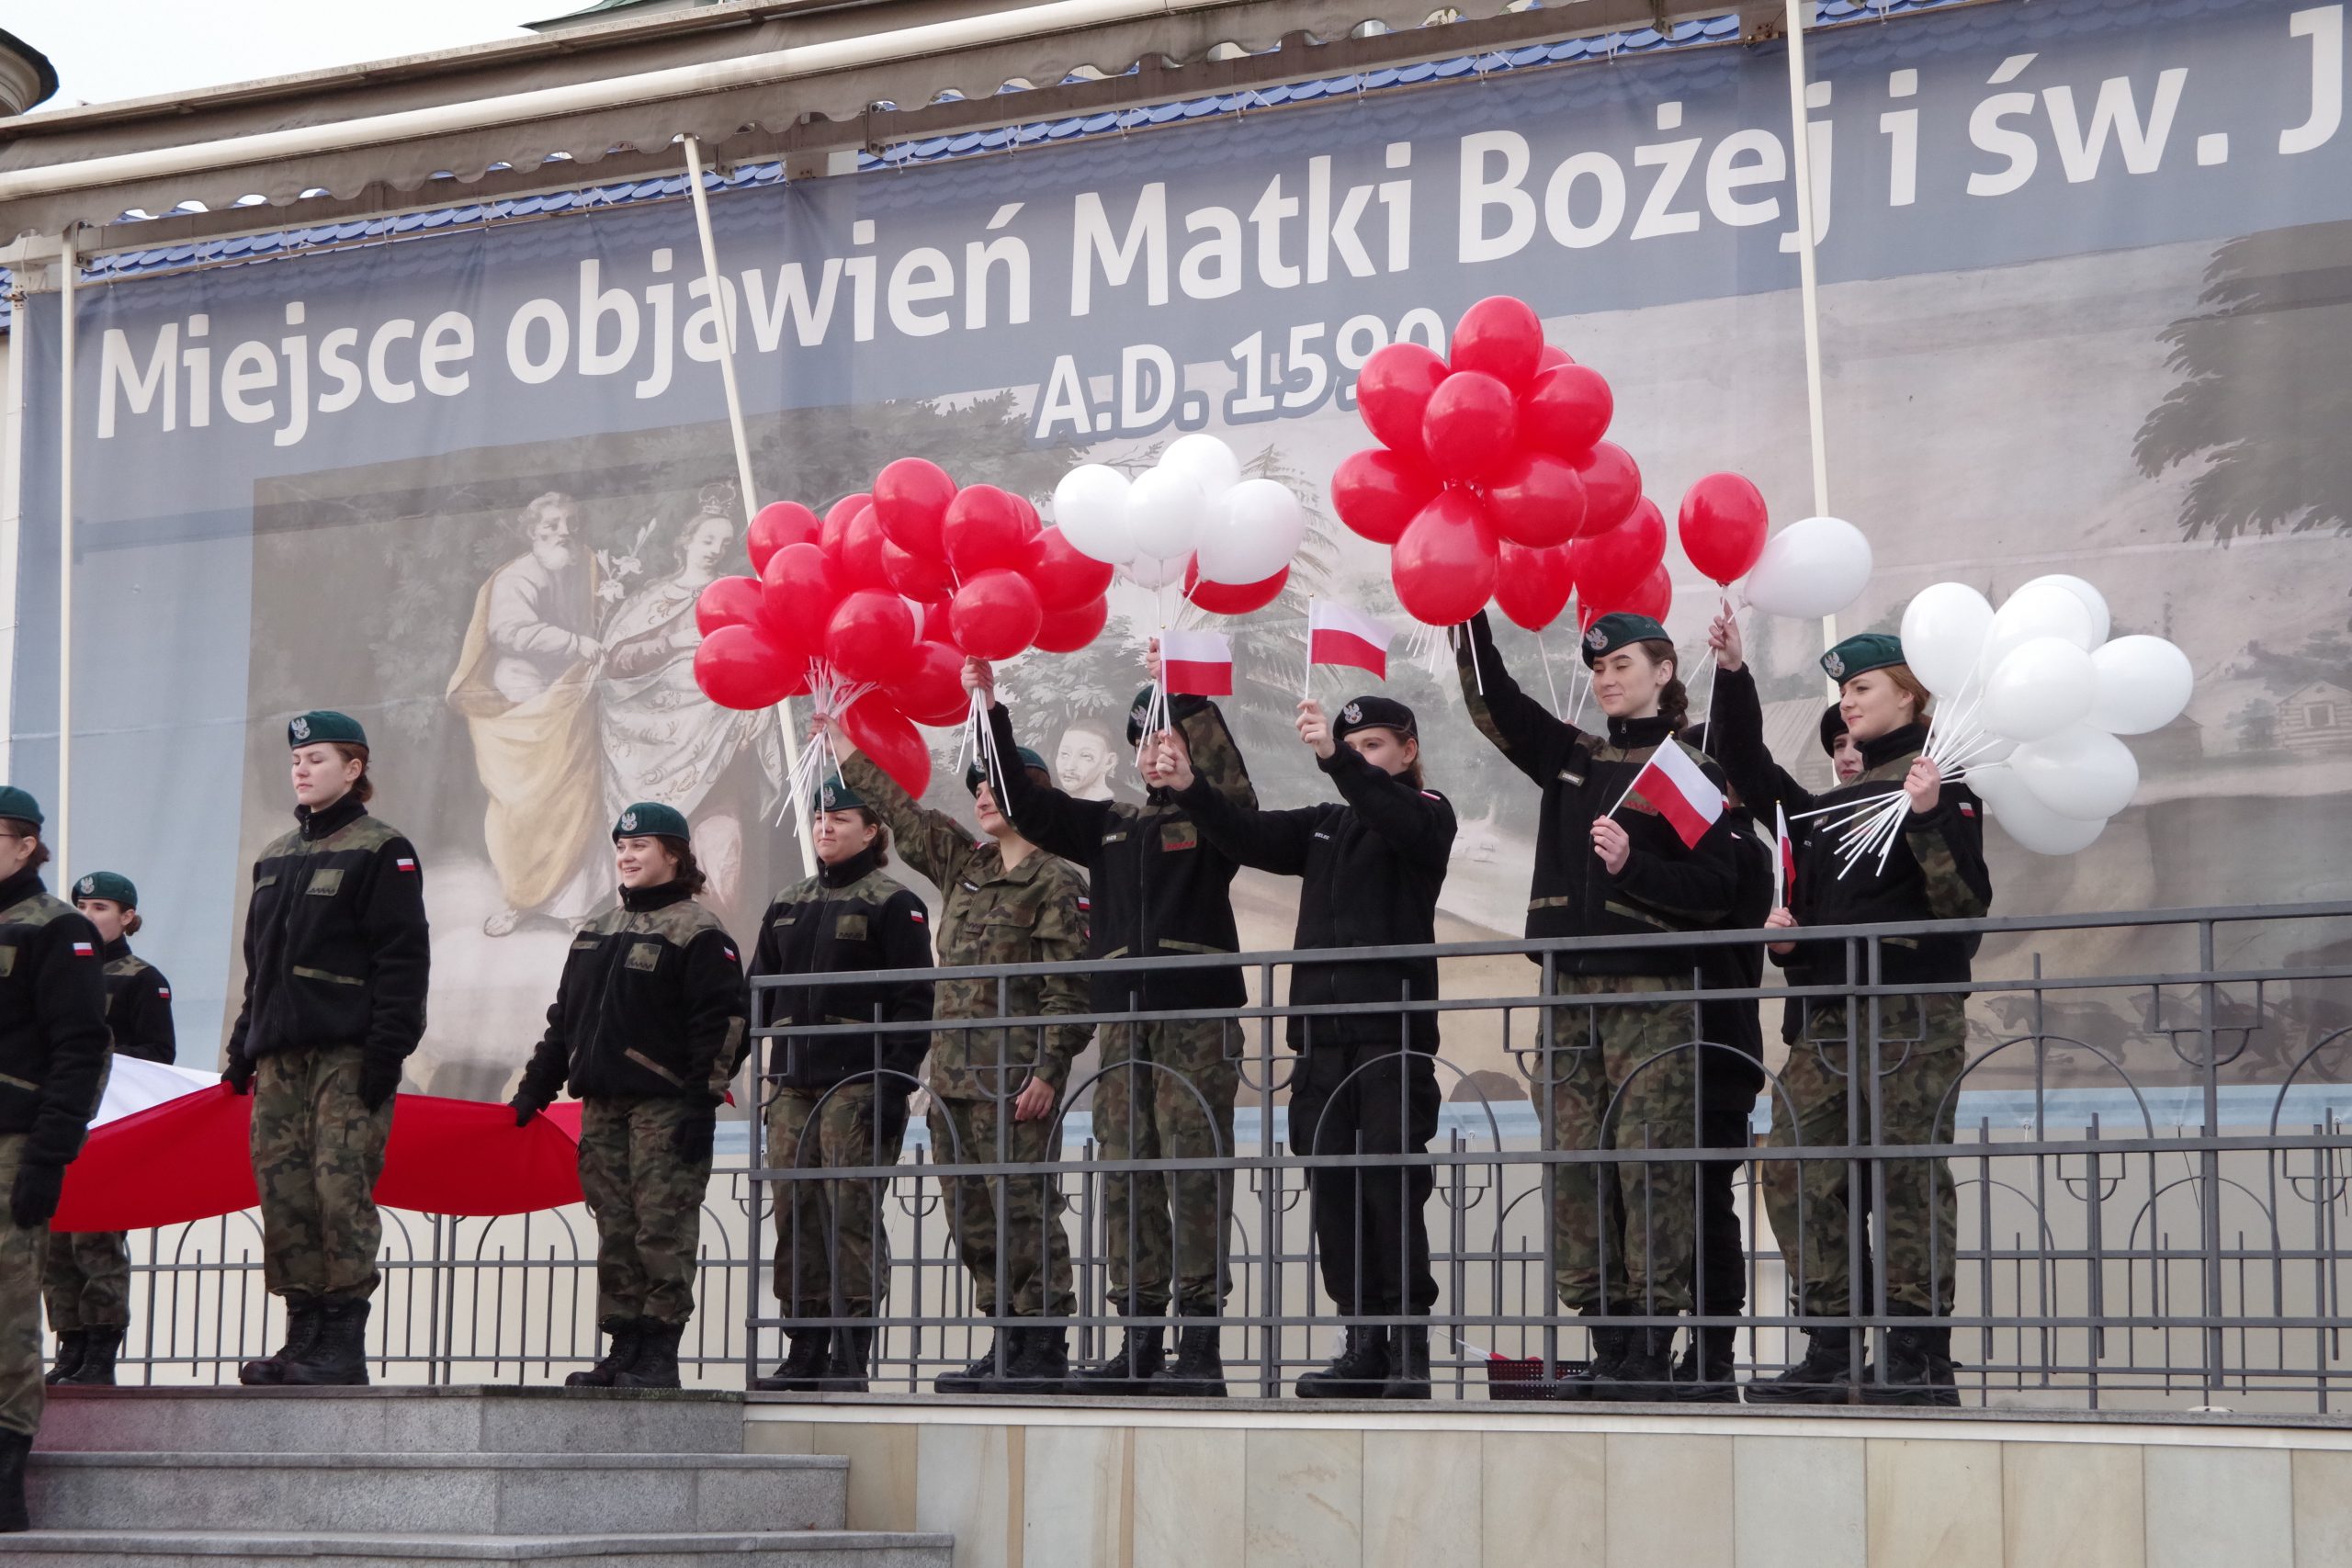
(238, 1074)
(379, 1081)
(695, 1136)
(34, 1198)
(525, 1108)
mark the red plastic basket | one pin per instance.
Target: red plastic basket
(1521, 1376)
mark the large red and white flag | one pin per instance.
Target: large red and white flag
(1342, 634)
(1680, 791)
(1196, 664)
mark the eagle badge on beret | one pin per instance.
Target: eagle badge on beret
(1835, 665)
(1139, 714)
(301, 727)
(1353, 713)
(629, 821)
(88, 888)
(1596, 639)
(830, 796)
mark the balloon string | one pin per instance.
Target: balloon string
(1544, 653)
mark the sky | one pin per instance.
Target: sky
(106, 50)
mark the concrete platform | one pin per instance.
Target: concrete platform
(180, 1548)
(477, 1419)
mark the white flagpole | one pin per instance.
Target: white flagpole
(1307, 687)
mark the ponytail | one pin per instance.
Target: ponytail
(1673, 698)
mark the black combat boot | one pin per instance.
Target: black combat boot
(1141, 1354)
(96, 1370)
(1358, 1371)
(802, 1365)
(625, 1334)
(1408, 1363)
(1609, 1346)
(15, 1449)
(656, 1365)
(1040, 1362)
(73, 1344)
(1704, 1375)
(303, 1316)
(1918, 1369)
(1198, 1370)
(980, 1376)
(1643, 1372)
(853, 1354)
(338, 1353)
(1823, 1377)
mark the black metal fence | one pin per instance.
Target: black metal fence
(2146, 1142)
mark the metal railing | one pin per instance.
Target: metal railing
(2145, 1140)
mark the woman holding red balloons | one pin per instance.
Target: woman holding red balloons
(1610, 864)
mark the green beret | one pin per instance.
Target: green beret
(1618, 629)
(1872, 650)
(973, 776)
(323, 726)
(1375, 713)
(1135, 713)
(651, 818)
(111, 885)
(834, 794)
(19, 805)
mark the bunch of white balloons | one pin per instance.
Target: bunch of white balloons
(2038, 695)
(1193, 504)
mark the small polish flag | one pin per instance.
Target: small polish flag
(1342, 634)
(84, 949)
(1784, 858)
(1680, 791)
(1197, 664)
(404, 864)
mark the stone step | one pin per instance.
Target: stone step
(437, 1493)
(762, 1549)
(398, 1420)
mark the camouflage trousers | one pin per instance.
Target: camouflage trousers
(647, 1203)
(1012, 1224)
(1623, 1234)
(23, 1254)
(832, 1257)
(1166, 1092)
(1922, 1048)
(317, 1151)
(89, 1280)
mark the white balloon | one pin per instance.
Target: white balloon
(1943, 633)
(2042, 687)
(1813, 567)
(1254, 531)
(2036, 610)
(2080, 771)
(2093, 601)
(2143, 684)
(1090, 509)
(1150, 571)
(1208, 459)
(2039, 828)
(1164, 510)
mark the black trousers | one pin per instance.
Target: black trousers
(1370, 1228)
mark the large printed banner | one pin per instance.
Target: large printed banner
(2083, 311)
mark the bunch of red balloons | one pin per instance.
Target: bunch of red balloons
(1493, 481)
(890, 590)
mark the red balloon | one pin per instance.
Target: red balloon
(1654, 596)
(1445, 565)
(1470, 427)
(1066, 631)
(1552, 357)
(738, 667)
(1532, 586)
(779, 522)
(1610, 567)
(797, 592)
(996, 615)
(911, 497)
(1722, 525)
(919, 580)
(1376, 492)
(1566, 411)
(1391, 389)
(1612, 486)
(931, 691)
(871, 637)
(982, 531)
(861, 553)
(890, 741)
(1064, 579)
(727, 602)
(1537, 500)
(937, 615)
(837, 517)
(1500, 336)
(1232, 598)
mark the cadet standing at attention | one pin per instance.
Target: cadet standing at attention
(337, 958)
(838, 1099)
(89, 1271)
(993, 1092)
(52, 1069)
(646, 1030)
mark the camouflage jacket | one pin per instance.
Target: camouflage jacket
(139, 1005)
(651, 1005)
(1032, 913)
(52, 1020)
